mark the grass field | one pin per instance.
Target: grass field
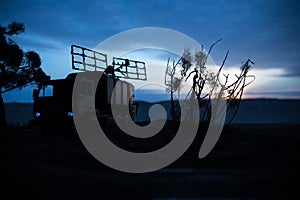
(256, 161)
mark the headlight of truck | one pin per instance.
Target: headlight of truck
(70, 114)
(37, 114)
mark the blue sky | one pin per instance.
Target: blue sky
(267, 31)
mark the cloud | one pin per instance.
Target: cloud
(268, 32)
(249, 29)
(292, 94)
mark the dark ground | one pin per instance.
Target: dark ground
(254, 161)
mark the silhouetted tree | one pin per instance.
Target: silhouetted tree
(205, 84)
(174, 76)
(17, 69)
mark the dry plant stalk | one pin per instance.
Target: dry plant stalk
(188, 67)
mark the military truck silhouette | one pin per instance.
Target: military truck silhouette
(53, 98)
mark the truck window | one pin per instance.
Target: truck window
(46, 91)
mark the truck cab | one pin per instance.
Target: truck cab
(53, 99)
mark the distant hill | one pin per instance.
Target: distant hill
(250, 111)
(268, 111)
